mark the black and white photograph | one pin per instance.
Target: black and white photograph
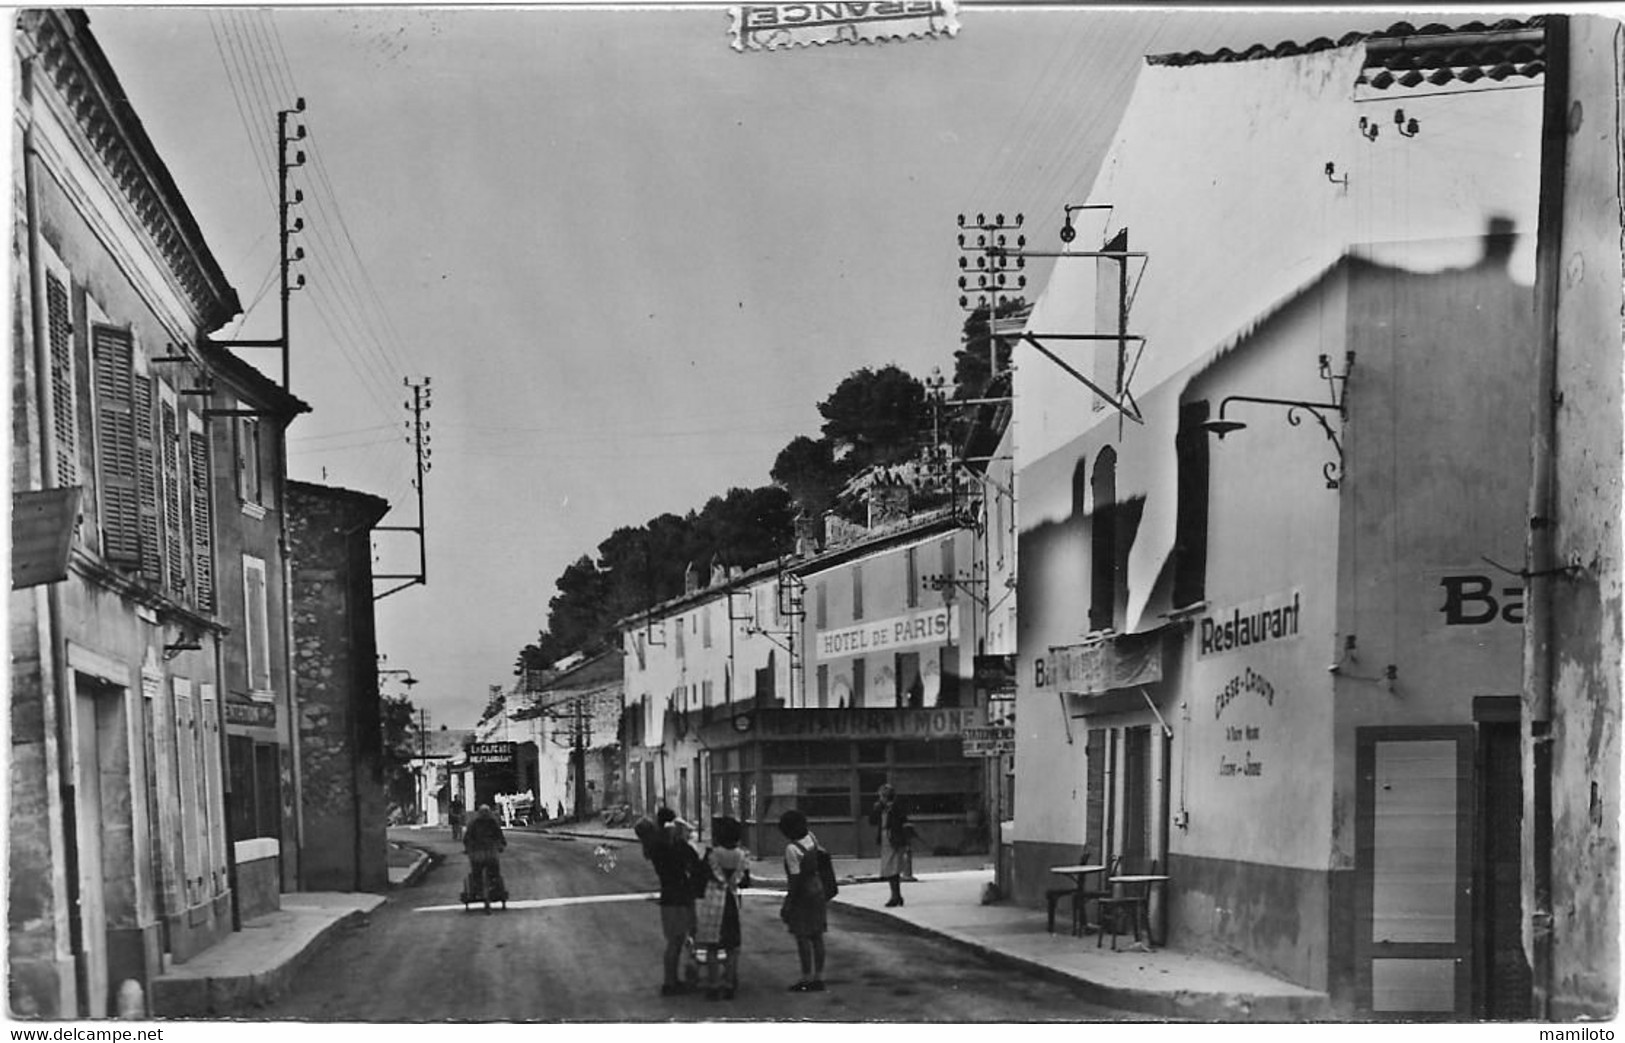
(804, 516)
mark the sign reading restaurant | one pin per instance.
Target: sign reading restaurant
(1261, 621)
(870, 723)
(930, 627)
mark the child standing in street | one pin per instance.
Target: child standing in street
(717, 913)
(804, 900)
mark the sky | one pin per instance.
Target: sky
(628, 259)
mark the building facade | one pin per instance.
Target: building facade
(343, 813)
(249, 417)
(1262, 640)
(118, 856)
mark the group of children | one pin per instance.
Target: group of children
(699, 899)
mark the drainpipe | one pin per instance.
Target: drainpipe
(1540, 539)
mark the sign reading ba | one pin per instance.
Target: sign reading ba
(490, 753)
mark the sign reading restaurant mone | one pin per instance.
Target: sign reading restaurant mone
(932, 627)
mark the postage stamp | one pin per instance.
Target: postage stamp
(768, 27)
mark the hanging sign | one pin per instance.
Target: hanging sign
(989, 742)
(1101, 666)
(490, 753)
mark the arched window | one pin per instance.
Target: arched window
(1080, 487)
(1103, 541)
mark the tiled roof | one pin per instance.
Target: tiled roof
(1406, 56)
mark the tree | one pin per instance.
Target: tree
(875, 417)
(400, 747)
(807, 470)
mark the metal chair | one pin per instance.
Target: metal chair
(1053, 896)
(1080, 894)
(1132, 900)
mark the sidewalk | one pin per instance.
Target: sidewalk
(946, 901)
(253, 966)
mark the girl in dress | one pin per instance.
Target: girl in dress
(717, 914)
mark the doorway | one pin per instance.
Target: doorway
(1413, 860)
(97, 762)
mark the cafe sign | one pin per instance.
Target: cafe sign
(490, 753)
(1101, 666)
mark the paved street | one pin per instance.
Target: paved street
(576, 945)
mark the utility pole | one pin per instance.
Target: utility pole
(418, 436)
(579, 725)
(286, 229)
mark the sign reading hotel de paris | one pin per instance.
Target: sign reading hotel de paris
(934, 626)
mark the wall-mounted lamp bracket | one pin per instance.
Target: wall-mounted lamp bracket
(1338, 383)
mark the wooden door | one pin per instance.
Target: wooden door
(1414, 837)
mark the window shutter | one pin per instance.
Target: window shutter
(146, 464)
(64, 425)
(259, 633)
(174, 522)
(202, 523)
(115, 423)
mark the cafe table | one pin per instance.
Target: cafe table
(1078, 873)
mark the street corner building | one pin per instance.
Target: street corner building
(809, 682)
(155, 755)
(1287, 635)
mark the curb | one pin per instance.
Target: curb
(183, 998)
(1167, 1006)
(425, 861)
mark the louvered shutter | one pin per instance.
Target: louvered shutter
(115, 424)
(202, 523)
(169, 454)
(146, 464)
(64, 426)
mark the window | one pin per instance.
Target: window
(705, 628)
(859, 670)
(857, 592)
(823, 685)
(258, 626)
(681, 649)
(248, 460)
(949, 570)
(822, 618)
(912, 578)
(910, 686)
(1190, 524)
(1103, 542)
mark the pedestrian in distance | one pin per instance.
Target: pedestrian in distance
(484, 843)
(716, 919)
(804, 901)
(456, 816)
(665, 844)
(890, 819)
